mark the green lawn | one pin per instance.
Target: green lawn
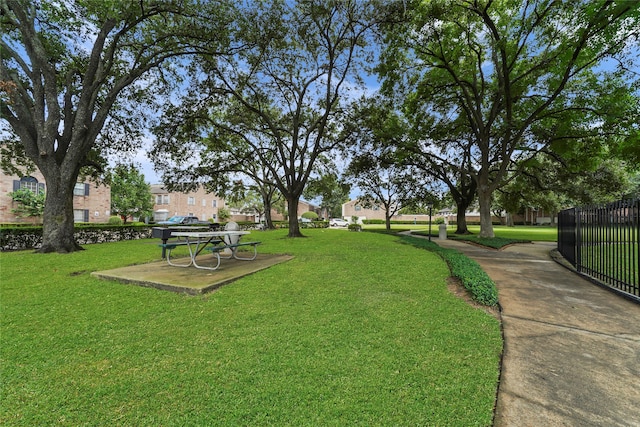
(520, 232)
(357, 329)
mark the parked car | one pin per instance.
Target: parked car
(184, 220)
(338, 222)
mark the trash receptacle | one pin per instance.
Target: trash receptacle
(442, 231)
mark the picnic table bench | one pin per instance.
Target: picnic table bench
(213, 241)
(233, 246)
(168, 247)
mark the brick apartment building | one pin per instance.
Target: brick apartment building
(206, 206)
(530, 216)
(91, 201)
(195, 203)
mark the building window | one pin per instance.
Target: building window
(204, 203)
(357, 207)
(191, 201)
(80, 215)
(158, 200)
(162, 199)
(30, 183)
(81, 189)
(376, 208)
(214, 203)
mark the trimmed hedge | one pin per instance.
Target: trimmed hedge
(439, 220)
(312, 224)
(21, 238)
(473, 277)
(454, 222)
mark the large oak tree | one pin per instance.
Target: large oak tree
(68, 71)
(506, 69)
(281, 97)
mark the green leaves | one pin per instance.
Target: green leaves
(130, 194)
(29, 203)
(495, 82)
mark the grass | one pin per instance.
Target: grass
(357, 329)
(520, 232)
(504, 236)
(472, 276)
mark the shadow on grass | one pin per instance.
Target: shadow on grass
(493, 242)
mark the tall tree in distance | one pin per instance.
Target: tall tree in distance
(507, 69)
(71, 70)
(281, 97)
(385, 184)
(130, 194)
(218, 161)
(331, 190)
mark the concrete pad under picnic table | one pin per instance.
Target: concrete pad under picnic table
(190, 280)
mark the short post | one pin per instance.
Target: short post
(442, 231)
(430, 205)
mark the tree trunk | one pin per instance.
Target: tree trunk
(510, 220)
(268, 221)
(292, 209)
(57, 219)
(387, 221)
(463, 195)
(461, 218)
(484, 199)
(266, 201)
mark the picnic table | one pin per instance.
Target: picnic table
(213, 241)
(165, 233)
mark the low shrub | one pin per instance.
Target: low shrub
(438, 220)
(21, 238)
(115, 220)
(472, 276)
(354, 227)
(310, 215)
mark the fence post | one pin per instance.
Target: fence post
(578, 238)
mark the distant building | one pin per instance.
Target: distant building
(355, 208)
(91, 201)
(198, 203)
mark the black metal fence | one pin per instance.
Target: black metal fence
(603, 243)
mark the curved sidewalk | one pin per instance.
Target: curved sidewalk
(572, 349)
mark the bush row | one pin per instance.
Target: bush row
(454, 222)
(312, 224)
(17, 237)
(407, 221)
(472, 276)
(21, 238)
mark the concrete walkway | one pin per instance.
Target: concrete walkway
(572, 349)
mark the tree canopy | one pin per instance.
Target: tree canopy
(511, 73)
(130, 194)
(69, 70)
(475, 89)
(280, 99)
